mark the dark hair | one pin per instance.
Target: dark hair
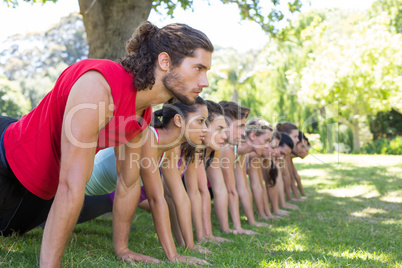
(303, 137)
(270, 180)
(169, 110)
(258, 126)
(214, 110)
(188, 150)
(300, 137)
(286, 140)
(148, 41)
(286, 127)
(234, 111)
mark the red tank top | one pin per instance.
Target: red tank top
(33, 143)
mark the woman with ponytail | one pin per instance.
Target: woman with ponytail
(277, 192)
(270, 172)
(255, 166)
(180, 123)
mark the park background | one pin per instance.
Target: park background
(332, 67)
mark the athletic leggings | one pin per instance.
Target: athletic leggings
(20, 210)
(97, 205)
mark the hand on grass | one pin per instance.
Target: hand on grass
(228, 231)
(244, 231)
(217, 239)
(290, 206)
(260, 224)
(190, 260)
(269, 217)
(129, 256)
(282, 212)
(201, 249)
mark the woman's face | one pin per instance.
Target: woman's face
(216, 137)
(260, 143)
(195, 127)
(272, 149)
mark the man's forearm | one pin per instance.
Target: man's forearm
(61, 220)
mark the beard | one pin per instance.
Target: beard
(173, 82)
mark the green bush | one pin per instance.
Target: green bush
(384, 146)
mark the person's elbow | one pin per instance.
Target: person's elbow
(157, 203)
(72, 190)
(181, 199)
(232, 192)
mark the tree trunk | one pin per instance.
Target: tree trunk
(356, 136)
(235, 97)
(110, 23)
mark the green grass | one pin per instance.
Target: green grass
(352, 218)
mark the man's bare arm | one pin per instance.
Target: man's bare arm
(83, 118)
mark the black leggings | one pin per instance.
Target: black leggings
(95, 206)
(20, 210)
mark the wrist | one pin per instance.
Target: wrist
(190, 246)
(172, 257)
(120, 250)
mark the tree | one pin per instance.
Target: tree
(36, 60)
(109, 24)
(358, 71)
(12, 102)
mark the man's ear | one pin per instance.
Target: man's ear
(178, 120)
(164, 61)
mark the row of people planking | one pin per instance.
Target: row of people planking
(93, 145)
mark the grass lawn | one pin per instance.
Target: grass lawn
(352, 218)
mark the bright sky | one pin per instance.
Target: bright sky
(221, 23)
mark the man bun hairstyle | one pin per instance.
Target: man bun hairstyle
(148, 41)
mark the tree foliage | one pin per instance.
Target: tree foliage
(12, 102)
(36, 60)
(358, 72)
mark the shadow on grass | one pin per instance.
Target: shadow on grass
(346, 174)
(348, 227)
(317, 259)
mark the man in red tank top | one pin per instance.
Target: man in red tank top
(47, 156)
